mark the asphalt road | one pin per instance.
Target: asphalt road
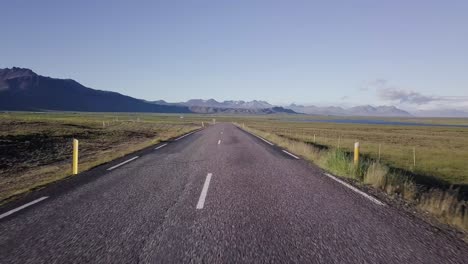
(219, 195)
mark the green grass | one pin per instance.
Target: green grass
(433, 195)
(441, 152)
(36, 147)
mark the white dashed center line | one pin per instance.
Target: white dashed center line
(201, 200)
(219, 141)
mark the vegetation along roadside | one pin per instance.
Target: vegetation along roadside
(446, 200)
(36, 148)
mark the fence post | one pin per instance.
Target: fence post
(379, 152)
(75, 156)
(414, 158)
(356, 153)
(202, 124)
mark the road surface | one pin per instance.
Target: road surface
(219, 195)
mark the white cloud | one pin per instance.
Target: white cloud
(401, 96)
(416, 100)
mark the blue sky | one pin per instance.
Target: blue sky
(413, 54)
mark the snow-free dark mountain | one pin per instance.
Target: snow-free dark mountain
(24, 90)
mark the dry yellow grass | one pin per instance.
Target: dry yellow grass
(445, 205)
(441, 152)
(376, 176)
(36, 148)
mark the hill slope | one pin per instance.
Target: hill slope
(24, 90)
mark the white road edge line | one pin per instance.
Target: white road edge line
(271, 144)
(160, 146)
(268, 142)
(201, 200)
(120, 164)
(356, 190)
(290, 154)
(262, 139)
(219, 141)
(185, 135)
(22, 207)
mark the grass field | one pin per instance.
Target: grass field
(437, 184)
(441, 152)
(36, 148)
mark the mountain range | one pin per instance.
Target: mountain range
(24, 90)
(228, 104)
(363, 110)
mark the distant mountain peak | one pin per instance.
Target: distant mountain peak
(15, 72)
(10, 77)
(360, 110)
(254, 104)
(24, 90)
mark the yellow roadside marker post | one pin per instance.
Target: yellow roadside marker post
(356, 153)
(75, 157)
